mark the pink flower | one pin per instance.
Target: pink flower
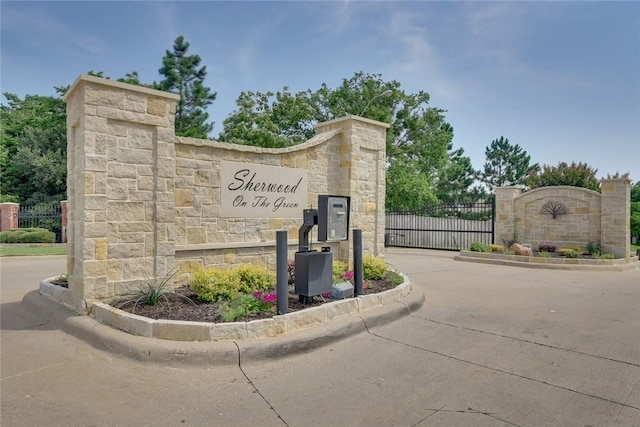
(348, 275)
(270, 298)
(257, 295)
(326, 294)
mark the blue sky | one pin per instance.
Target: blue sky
(561, 79)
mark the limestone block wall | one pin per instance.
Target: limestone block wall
(142, 202)
(590, 216)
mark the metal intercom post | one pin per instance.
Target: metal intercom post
(314, 269)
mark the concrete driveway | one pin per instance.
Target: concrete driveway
(493, 345)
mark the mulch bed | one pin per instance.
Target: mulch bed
(175, 307)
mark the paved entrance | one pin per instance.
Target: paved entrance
(493, 345)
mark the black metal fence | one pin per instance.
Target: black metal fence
(42, 216)
(452, 226)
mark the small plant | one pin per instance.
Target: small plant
(572, 248)
(594, 248)
(497, 248)
(27, 235)
(509, 243)
(373, 268)
(568, 253)
(216, 284)
(63, 278)
(607, 255)
(546, 247)
(152, 291)
(545, 254)
(291, 269)
(394, 278)
(480, 247)
(243, 305)
(338, 270)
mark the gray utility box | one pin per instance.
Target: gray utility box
(313, 273)
(342, 290)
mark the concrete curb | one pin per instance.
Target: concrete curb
(231, 352)
(533, 262)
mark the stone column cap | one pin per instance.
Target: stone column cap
(85, 78)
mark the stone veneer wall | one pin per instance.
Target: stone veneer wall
(142, 201)
(591, 216)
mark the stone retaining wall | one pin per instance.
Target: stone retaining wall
(142, 201)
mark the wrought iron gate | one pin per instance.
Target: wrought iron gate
(452, 226)
(42, 216)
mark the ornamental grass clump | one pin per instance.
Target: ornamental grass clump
(373, 268)
(481, 247)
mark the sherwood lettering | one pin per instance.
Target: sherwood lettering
(242, 184)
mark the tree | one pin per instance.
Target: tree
(456, 178)
(33, 148)
(184, 76)
(417, 141)
(506, 164)
(576, 175)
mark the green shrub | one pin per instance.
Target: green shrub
(394, 278)
(545, 254)
(215, 284)
(594, 248)
(27, 235)
(497, 248)
(338, 269)
(242, 305)
(570, 248)
(373, 268)
(480, 247)
(254, 278)
(568, 252)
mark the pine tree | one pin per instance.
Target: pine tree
(184, 76)
(506, 164)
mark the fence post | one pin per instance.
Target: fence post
(63, 213)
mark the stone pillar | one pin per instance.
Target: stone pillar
(9, 216)
(615, 216)
(361, 174)
(505, 213)
(121, 167)
(63, 213)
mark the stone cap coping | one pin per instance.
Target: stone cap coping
(119, 85)
(620, 264)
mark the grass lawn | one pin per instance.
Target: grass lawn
(634, 249)
(11, 250)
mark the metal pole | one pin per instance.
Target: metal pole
(357, 260)
(282, 276)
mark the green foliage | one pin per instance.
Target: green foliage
(394, 278)
(635, 219)
(27, 235)
(594, 248)
(9, 198)
(152, 291)
(575, 174)
(215, 284)
(545, 254)
(635, 192)
(373, 268)
(33, 148)
(184, 76)
(455, 180)
(569, 252)
(417, 142)
(604, 256)
(255, 278)
(242, 305)
(338, 269)
(506, 164)
(480, 247)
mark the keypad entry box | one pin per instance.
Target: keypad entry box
(333, 218)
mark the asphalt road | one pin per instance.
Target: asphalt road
(492, 346)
